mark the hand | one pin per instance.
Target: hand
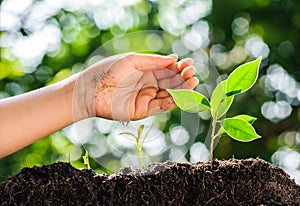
(123, 87)
(131, 86)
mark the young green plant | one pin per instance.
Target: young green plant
(86, 160)
(139, 141)
(239, 81)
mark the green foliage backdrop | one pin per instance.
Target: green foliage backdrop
(42, 42)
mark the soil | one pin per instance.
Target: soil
(231, 182)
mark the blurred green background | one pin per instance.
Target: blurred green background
(42, 42)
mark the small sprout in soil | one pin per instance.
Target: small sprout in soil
(139, 141)
(86, 160)
(238, 127)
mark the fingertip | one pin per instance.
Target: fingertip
(188, 72)
(154, 61)
(190, 83)
(174, 56)
(188, 60)
(196, 81)
(182, 64)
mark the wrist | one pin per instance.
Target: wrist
(83, 90)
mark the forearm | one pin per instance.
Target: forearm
(27, 118)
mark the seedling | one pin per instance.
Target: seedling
(139, 141)
(239, 81)
(86, 160)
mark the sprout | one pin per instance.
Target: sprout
(238, 127)
(86, 160)
(139, 141)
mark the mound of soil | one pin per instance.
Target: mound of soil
(232, 182)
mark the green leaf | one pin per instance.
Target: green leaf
(189, 100)
(239, 129)
(233, 93)
(220, 102)
(245, 117)
(221, 132)
(140, 130)
(128, 133)
(243, 77)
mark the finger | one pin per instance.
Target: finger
(162, 94)
(190, 83)
(179, 66)
(170, 82)
(142, 102)
(163, 73)
(185, 63)
(146, 62)
(160, 105)
(188, 72)
(173, 69)
(148, 80)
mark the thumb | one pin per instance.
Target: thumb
(146, 62)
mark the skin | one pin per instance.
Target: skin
(124, 87)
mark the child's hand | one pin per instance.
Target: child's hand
(130, 86)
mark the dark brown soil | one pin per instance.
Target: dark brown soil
(233, 182)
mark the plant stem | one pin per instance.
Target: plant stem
(213, 129)
(212, 138)
(139, 152)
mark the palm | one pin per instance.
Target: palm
(133, 92)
